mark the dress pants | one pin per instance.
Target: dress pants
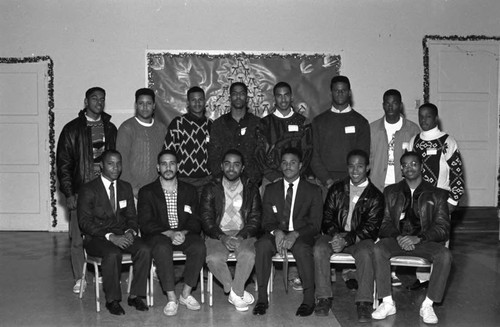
(111, 265)
(162, 250)
(302, 250)
(436, 253)
(362, 253)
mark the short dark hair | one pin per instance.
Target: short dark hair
(94, 89)
(410, 154)
(194, 89)
(281, 84)
(234, 152)
(392, 92)
(358, 152)
(109, 152)
(431, 106)
(166, 151)
(293, 151)
(340, 79)
(144, 91)
(235, 84)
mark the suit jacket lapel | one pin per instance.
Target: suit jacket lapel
(160, 198)
(103, 194)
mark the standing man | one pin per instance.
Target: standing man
(236, 130)
(282, 129)
(352, 215)
(231, 217)
(106, 212)
(189, 136)
(169, 222)
(416, 223)
(291, 219)
(139, 140)
(390, 137)
(79, 150)
(441, 159)
(336, 132)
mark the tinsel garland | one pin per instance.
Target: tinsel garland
(52, 154)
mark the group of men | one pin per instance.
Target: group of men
(257, 187)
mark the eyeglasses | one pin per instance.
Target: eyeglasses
(412, 164)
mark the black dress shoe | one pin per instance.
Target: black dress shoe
(323, 307)
(115, 308)
(351, 284)
(417, 285)
(364, 311)
(260, 309)
(305, 310)
(137, 303)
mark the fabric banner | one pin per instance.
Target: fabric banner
(170, 75)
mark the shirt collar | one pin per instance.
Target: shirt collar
(278, 114)
(295, 183)
(346, 110)
(106, 182)
(145, 124)
(364, 184)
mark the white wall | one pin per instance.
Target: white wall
(98, 42)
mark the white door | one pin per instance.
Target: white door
(463, 83)
(24, 159)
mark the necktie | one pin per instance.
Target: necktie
(112, 196)
(288, 204)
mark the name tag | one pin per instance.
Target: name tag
(187, 209)
(275, 210)
(350, 129)
(293, 128)
(402, 216)
(355, 199)
(207, 138)
(237, 202)
(431, 152)
(243, 131)
(405, 145)
(122, 204)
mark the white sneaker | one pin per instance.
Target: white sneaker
(248, 298)
(428, 314)
(190, 302)
(238, 301)
(171, 308)
(384, 310)
(76, 288)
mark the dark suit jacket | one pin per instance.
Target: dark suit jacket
(95, 215)
(307, 210)
(153, 214)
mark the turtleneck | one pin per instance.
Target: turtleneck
(431, 134)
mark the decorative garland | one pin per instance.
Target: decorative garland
(52, 155)
(426, 69)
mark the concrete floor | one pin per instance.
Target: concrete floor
(36, 283)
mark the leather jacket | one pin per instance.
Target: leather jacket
(430, 206)
(75, 163)
(366, 216)
(212, 206)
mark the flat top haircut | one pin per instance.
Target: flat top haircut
(144, 91)
(110, 152)
(236, 153)
(293, 151)
(282, 84)
(392, 92)
(94, 89)
(411, 154)
(243, 85)
(430, 106)
(167, 151)
(358, 152)
(340, 79)
(195, 89)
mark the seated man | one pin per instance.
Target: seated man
(231, 216)
(291, 219)
(106, 213)
(352, 215)
(169, 222)
(416, 223)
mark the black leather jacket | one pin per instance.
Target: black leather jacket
(212, 204)
(75, 155)
(366, 216)
(431, 207)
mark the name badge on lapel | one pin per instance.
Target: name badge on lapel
(243, 131)
(122, 204)
(187, 208)
(275, 210)
(431, 152)
(293, 128)
(350, 129)
(355, 199)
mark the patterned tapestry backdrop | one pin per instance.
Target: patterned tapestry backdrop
(170, 75)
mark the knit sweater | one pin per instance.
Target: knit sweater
(334, 135)
(139, 146)
(442, 162)
(189, 136)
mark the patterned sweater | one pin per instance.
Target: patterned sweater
(442, 162)
(189, 136)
